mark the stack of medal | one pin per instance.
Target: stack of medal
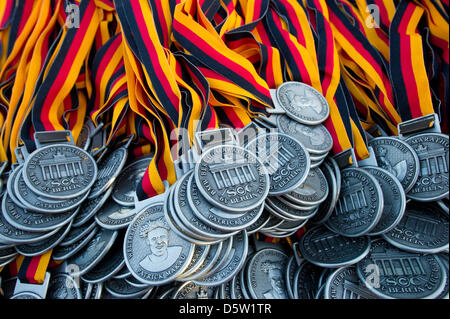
(300, 144)
(197, 231)
(362, 240)
(37, 214)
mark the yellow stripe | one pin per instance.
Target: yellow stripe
(420, 75)
(55, 110)
(39, 275)
(22, 72)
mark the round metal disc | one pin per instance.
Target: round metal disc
(433, 152)
(397, 157)
(153, 252)
(401, 274)
(316, 139)
(394, 200)
(325, 248)
(231, 178)
(265, 274)
(286, 160)
(303, 103)
(108, 170)
(423, 229)
(360, 204)
(59, 171)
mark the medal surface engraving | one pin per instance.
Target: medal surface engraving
(433, 152)
(231, 178)
(60, 171)
(153, 252)
(303, 103)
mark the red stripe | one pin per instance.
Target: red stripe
(7, 13)
(383, 13)
(293, 18)
(27, 9)
(32, 267)
(293, 50)
(213, 53)
(65, 68)
(162, 21)
(233, 117)
(106, 60)
(363, 52)
(150, 45)
(266, 41)
(408, 75)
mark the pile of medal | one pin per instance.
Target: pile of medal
(372, 231)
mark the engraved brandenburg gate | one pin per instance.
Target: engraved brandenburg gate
(398, 264)
(352, 199)
(278, 156)
(232, 174)
(419, 224)
(432, 158)
(61, 166)
(355, 291)
(331, 242)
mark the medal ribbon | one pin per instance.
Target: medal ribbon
(408, 70)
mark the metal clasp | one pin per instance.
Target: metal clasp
(38, 289)
(277, 108)
(210, 138)
(371, 160)
(53, 137)
(346, 158)
(424, 124)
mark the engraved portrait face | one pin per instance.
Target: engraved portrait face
(158, 239)
(303, 101)
(276, 279)
(161, 256)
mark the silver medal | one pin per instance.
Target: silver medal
(63, 286)
(129, 178)
(423, 275)
(65, 252)
(153, 252)
(325, 248)
(32, 221)
(423, 229)
(94, 251)
(59, 171)
(190, 290)
(40, 247)
(108, 266)
(266, 274)
(433, 152)
(344, 283)
(394, 200)
(397, 157)
(216, 217)
(316, 139)
(285, 159)
(114, 216)
(231, 178)
(42, 204)
(313, 191)
(233, 264)
(108, 170)
(360, 204)
(302, 103)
